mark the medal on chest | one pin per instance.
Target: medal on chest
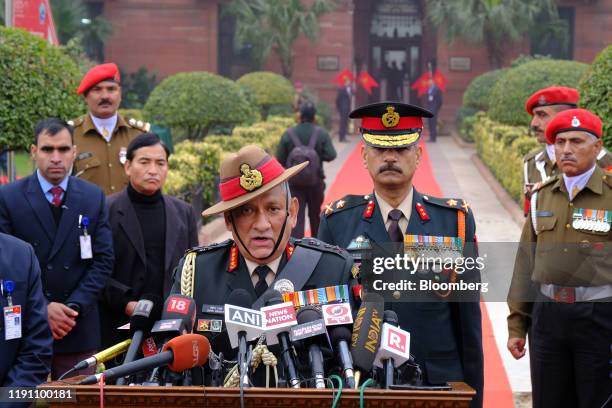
(593, 220)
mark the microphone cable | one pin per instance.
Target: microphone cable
(337, 397)
(366, 383)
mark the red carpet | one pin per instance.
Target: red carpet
(353, 178)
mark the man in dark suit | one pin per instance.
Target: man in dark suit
(25, 360)
(151, 232)
(446, 337)
(64, 218)
(343, 105)
(260, 213)
(434, 103)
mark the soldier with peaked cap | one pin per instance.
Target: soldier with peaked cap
(446, 337)
(562, 282)
(539, 165)
(102, 134)
(259, 211)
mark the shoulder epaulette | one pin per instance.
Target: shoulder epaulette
(542, 184)
(319, 245)
(76, 122)
(452, 203)
(210, 247)
(607, 177)
(139, 124)
(531, 155)
(346, 202)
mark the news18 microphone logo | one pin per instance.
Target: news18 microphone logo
(177, 305)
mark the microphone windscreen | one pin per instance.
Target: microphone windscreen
(340, 333)
(189, 350)
(391, 317)
(180, 307)
(367, 328)
(308, 314)
(272, 297)
(240, 297)
(146, 313)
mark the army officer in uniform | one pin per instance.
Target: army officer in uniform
(445, 336)
(260, 213)
(564, 263)
(102, 134)
(539, 165)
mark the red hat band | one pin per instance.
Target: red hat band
(405, 122)
(265, 171)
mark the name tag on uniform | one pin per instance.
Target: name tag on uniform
(85, 241)
(12, 322)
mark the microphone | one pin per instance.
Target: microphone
(179, 354)
(279, 317)
(338, 316)
(394, 347)
(100, 357)
(311, 332)
(177, 318)
(243, 324)
(366, 333)
(147, 311)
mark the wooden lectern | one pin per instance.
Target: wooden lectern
(88, 396)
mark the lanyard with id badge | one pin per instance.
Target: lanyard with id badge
(85, 238)
(12, 313)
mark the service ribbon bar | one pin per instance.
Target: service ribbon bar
(318, 296)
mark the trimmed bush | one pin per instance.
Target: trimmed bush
(196, 101)
(477, 94)
(37, 80)
(268, 89)
(508, 97)
(502, 148)
(596, 91)
(464, 121)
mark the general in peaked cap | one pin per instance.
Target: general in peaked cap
(390, 125)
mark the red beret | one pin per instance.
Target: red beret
(554, 95)
(99, 73)
(572, 120)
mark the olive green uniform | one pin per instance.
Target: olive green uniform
(560, 292)
(99, 161)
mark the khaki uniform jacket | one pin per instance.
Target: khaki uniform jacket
(553, 251)
(101, 162)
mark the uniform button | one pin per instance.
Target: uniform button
(564, 249)
(571, 204)
(48, 295)
(567, 225)
(35, 243)
(396, 294)
(66, 267)
(49, 267)
(108, 144)
(110, 164)
(87, 166)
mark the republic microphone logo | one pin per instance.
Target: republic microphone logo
(373, 337)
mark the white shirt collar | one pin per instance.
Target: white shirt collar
(273, 265)
(577, 182)
(550, 151)
(107, 123)
(405, 207)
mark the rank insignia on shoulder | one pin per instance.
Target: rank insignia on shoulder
(465, 206)
(421, 211)
(329, 209)
(233, 261)
(452, 203)
(369, 210)
(340, 203)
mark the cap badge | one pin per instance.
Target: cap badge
(251, 179)
(575, 122)
(391, 118)
(542, 100)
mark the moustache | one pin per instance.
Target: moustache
(390, 167)
(104, 102)
(568, 159)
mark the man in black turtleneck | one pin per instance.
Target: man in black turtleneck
(151, 231)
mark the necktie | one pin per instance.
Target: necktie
(57, 195)
(395, 233)
(262, 285)
(105, 132)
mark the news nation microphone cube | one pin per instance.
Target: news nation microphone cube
(394, 344)
(337, 314)
(241, 319)
(278, 318)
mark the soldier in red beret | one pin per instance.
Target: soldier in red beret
(561, 289)
(543, 105)
(102, 134)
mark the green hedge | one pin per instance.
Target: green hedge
(477, 94)
(37, 80)
(508, 97)
(195, 102)
(596, 91)
(268, 89)
(501, 148)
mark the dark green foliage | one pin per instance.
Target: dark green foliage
(197, 101)
(136, 87)
(508, 97)
(37, 81)
(596, 91)
(478, 92)
(268, 90)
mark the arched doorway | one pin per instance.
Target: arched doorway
(393, 55)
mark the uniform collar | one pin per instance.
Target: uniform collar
(273, 265)
(550, 153)
(88, 123)
(405, 206)
(594, 183)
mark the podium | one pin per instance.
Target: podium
(88, 396)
